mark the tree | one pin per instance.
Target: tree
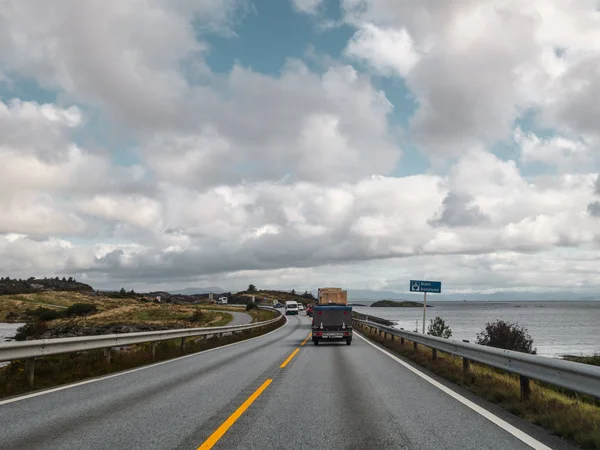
(122, 291)
(251, 288)
(293, 291)
(70, 280)
(437, 327)
(64, 279)
(506, 335)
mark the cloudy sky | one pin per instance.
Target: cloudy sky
(301, 143)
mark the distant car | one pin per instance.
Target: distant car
(300, 307)
(278, 305)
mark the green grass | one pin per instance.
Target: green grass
(225, 318)
(159, 314)
(568, 415)
(594, 359)
(53, 298)
(260, 315)
(61, 369)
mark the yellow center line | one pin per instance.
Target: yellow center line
(214, 438)
(304, 342)
(285, 363)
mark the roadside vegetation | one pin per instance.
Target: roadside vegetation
(594, 359)
(437, 327)
(269, 296)
(52, 314)
(62, 369)
(572, 416)
(259, 315)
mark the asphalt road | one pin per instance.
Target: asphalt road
(239, 318)
(328, 397)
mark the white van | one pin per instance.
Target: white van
(291, 308)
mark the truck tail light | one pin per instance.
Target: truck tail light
(319, 333)
(346, 334)
(346, 312)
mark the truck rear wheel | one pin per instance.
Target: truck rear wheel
(316, 341)
(349, 341)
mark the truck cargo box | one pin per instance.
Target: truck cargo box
(332, 296)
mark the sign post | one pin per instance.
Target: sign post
(425, 287)
(424, 309)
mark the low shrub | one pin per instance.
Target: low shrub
(250, 306)
(44, 314)
(80, 309)
(30, 329)
(437, 327)
(506, 335)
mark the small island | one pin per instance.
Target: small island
(398, 304)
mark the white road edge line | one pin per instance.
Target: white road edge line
(478, 409)
(106, 377)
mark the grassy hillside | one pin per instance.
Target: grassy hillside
(32, 284)
(105, 312)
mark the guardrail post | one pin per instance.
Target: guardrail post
(434, 353)
(153, 349)
(401, 340)
(525, 388)
(466, 362)
(30, 371)
(182, 344)
(107, 356)
(414, 345)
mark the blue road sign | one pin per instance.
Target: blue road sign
(426, 286)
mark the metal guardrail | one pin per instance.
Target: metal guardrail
(578, 377)
(47, 347)
(29, 350)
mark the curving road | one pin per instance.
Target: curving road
(329, 397)
(239, 318)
